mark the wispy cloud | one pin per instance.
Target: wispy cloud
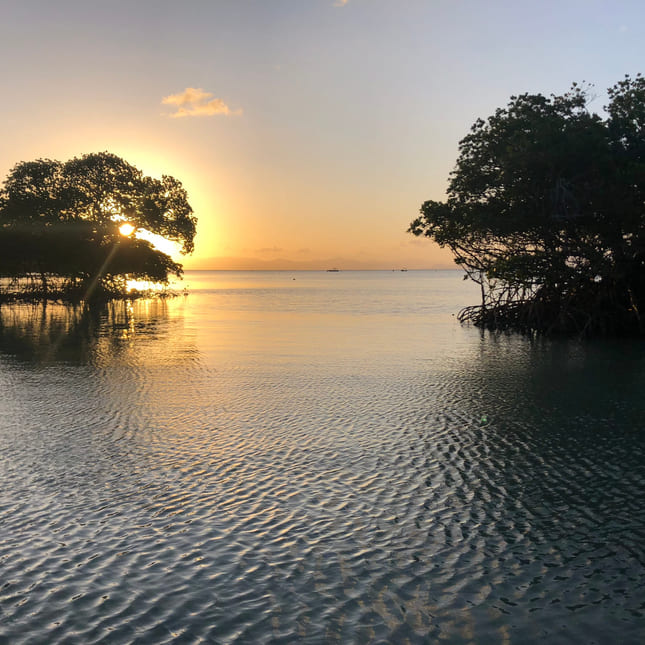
(197, 102)
(340, 3)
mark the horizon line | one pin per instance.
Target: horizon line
(335, 270)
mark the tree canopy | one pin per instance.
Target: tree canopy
(59, 225)
(546, 211)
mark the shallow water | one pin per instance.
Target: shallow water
(320, 458)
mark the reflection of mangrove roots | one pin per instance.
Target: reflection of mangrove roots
(46, 331)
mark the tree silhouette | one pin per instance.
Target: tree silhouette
(546, 211)
(59, 225)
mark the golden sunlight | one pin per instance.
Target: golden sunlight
(143, 285)
(126, 229)
(159, 242)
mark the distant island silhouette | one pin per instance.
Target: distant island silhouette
(282, 264)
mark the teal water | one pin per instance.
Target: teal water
(320, 458)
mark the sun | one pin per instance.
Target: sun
(159, 243)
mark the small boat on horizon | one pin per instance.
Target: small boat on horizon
(334, 270)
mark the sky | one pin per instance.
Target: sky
(307, 132)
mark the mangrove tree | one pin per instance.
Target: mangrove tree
(545, 209)
(73, 228)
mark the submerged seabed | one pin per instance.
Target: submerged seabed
(316, 458)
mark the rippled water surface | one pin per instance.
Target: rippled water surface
(316, 458)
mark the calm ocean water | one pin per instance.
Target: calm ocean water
(312, 457)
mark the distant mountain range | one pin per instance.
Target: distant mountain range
(252, 264)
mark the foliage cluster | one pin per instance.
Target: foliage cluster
(546, 211)
(59, 226)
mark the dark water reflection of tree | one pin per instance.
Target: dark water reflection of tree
(46, 332)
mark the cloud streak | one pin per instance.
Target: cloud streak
(340, 3)
(195, 101)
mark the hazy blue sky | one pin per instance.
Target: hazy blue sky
(304, 130)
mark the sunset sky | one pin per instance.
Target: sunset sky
(307, 132)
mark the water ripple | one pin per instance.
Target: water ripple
(493, 497)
